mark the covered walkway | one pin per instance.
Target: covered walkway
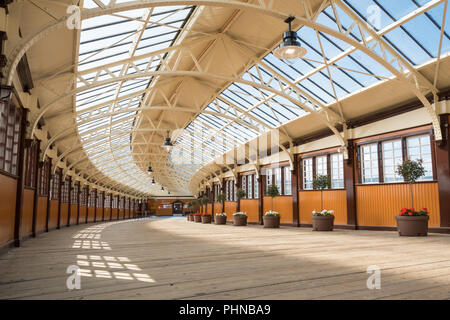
(171, 258)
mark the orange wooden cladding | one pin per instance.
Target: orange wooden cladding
(91, 214)
(217, 207)
(251, 208)
(99, 214)
(114, 213)
(282, 205)
(377, 205)
(73, 214)
(53, 218)
(332, 200)
(7, 208)
(27, 213)
(64, 213)
(230, 208)
(127, 213)
(83, 214)
(107, 213)
(41, 218)
(209, 208)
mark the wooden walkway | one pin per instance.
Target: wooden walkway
(170, 258)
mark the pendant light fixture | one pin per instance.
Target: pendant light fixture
(162, 188)
(150, 170)
(153, 181)
(290, 49)
(167, 145)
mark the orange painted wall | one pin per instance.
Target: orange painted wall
(209, 208)
(91, 214)
(127, 213)
(64, 213)
(282, 205)
(230, 208)
(7, 208)
(377, 205)
(53, 219)
(82, 214)
(156, 205)
(120, 213)
(41, 218)
(115, 213)
(217, 207)
(73, 214)
(107, 213)
(27, 213)
(99, 213)
(332, 200)
(251, 208)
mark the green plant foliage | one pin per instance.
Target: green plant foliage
(204, 200)
(321, 182)
(272, 191)
(221, 197)
(241, 194)
(272, 214)
(411, 170)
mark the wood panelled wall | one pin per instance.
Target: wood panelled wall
(7, 208)
(250, 206)
(377, 205)
(217, 207)
(230, 208)
(281, 204)
(27, 212)
(332, 200)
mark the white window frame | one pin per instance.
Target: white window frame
(373, 157)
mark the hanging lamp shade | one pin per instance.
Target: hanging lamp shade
(153, 181)
(167, 145)
(149, 170)
(290, 48)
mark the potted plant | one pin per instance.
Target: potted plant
(323, 220)
(272, 218)
(206, 218)
(240, 194)
(204, 201)
(221, 197)
(221, 218)
(188, 213)
(240, 219)
(411, 222)
(197, 217)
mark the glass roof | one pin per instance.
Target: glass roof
(241, 111)
(106, 114)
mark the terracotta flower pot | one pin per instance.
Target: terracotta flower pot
(191, 217)
(221, 220)
(240, 220)
(206, 219)
(198, 218)
(271, 221)
(412, 226)
(322, 223)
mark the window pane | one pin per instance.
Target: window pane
(278, 179)
(250, 187)
(287, 181)
(392, 157)
(419, 147)
(337, 171)
(369, 163)
(307, 173)
(256, 187)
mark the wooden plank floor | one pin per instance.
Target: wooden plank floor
(170, 258)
